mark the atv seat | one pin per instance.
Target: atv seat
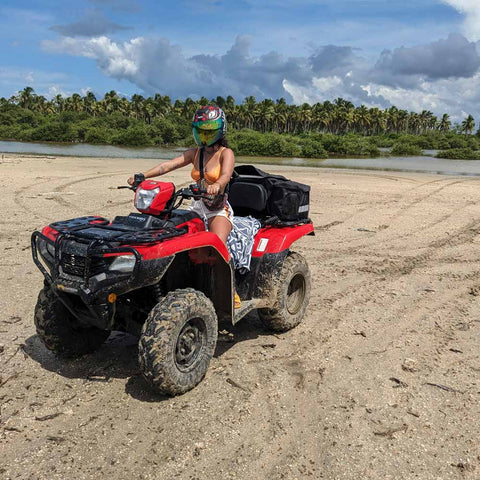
(248, 198)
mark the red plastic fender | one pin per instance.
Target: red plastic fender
(275, 240)
(182, 244)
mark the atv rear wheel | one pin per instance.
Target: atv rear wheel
(293, 295)
(178, 341)
(60, 331)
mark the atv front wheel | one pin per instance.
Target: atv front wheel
(60, 331)
(293, 295)
(178, 341)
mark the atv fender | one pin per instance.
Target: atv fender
(183, 244)
(213, 276)
(275, 240)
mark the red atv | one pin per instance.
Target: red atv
(141, 274)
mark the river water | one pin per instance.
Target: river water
(417, 164)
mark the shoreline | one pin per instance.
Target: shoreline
(349, 163)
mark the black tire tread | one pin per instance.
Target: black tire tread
(278, 318)
(59, 330)
(159, 333)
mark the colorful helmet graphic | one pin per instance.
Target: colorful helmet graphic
(209, 125)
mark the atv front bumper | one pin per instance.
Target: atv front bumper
(82, 278)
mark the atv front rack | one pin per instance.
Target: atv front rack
(103, 232)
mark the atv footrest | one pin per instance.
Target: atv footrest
(248, 306)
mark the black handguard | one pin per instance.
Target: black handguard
(138, 178)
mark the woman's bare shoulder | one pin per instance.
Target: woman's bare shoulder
(227, 152)
(189, 154)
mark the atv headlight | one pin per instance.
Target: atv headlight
(144, 198)
(123, 263)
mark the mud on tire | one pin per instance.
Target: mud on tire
(292, 297)
(60, 331)
(178, 341)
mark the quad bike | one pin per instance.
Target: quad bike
(141, 274)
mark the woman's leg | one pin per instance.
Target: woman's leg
(221, 226)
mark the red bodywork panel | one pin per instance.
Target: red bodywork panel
(268, 240)
(182, 244)
(275, 240)
(52, 234)
(159, 203)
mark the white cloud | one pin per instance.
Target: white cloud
(471, 10)
(441, 76)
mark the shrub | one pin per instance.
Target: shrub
(458, 141)
(402, 148)
(135, 136)
(312, 149)
(97, 135)
(54, 131)
(164, 131)
(249, 142)
(459, 154)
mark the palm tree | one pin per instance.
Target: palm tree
(88, 101)
(468, 125)
(445, 123)
(137, 105)
(111, 101)
(59, 103)
(26, 97)
(74, 103)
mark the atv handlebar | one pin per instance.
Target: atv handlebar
(193, 191)
(138, 178)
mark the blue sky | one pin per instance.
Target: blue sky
(417, 55)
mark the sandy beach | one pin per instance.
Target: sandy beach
(380, 381)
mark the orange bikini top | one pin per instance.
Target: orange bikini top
(211, 176)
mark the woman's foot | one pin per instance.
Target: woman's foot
(237, 301)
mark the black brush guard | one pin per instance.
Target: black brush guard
(80, 270)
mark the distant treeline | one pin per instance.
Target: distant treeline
(267, 128)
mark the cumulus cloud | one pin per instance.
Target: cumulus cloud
(93, 24)
(471, 10)
(156, 65)
(441, 76)
(332, 58)
(454, 57)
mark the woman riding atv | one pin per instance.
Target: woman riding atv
(213, 164)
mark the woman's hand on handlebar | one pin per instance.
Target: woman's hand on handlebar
(135, 180)
(213, 189)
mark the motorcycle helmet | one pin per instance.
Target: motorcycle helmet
(209, 125)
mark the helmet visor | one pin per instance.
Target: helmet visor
(206, 136)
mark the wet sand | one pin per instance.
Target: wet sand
(381, 380)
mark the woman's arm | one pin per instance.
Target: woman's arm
(168, 166)
(228, 163)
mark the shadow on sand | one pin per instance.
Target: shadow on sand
(117, 357)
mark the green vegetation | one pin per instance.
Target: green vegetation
(459, 154)
(266, 128)
(404, 148)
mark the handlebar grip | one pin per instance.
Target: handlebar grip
(138, 178)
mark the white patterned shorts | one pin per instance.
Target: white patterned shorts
(199, 207)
